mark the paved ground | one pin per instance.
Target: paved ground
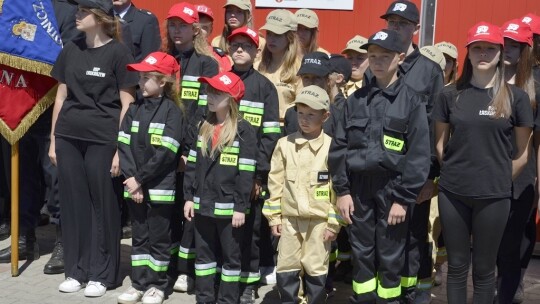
(32, 286)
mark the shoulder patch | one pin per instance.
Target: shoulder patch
(145, 11)
(219, 51)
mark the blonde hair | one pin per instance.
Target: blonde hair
(110, 24)
(170, 90)
(199, 42)
(524, 75)
(502, 95)
(291, 61)
(227, 30)
(228, 130)
(313, 43)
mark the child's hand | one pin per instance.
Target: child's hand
(329, 235)
(181, 164)
(345, 207)
(257, 189)
(189, 210)
(276, 230)
(115, 166)
(138, 196)
(132, 185)
(238, 219)
(397, 214)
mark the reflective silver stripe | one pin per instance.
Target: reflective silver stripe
(230, 272)
(170, 140)
(156, 125)
(271, 124)
(186, 250)
(122, 133)
(190, 78)
(160, 192)
(138, 257)
(199, 137)
(203, 96)
(252, 104)
(205, 266)
(236, 144)
(224, 206)
(192, 153)
(196, 199)
(135, 123)
(247, 161)
(250, 274)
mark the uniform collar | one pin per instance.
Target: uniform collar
(315, 144)
(410, 60)
(184, 54)
(390, 91)
(244, 74)
(122, 13)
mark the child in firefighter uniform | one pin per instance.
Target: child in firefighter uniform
(301, 207)
(217, 187)
(148, 143)
(379, 161)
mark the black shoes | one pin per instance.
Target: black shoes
(28, 250)
(4, 230)
(126, 232)
(55, 265)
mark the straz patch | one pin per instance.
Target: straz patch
(190, 93)
(394, 144)
(323, 176)
(253, 119)
(155, 140)
(228, 159)
(322, 193)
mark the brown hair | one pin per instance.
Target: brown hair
(524, 75)
(199, 41)
(227, 30)
(170, 90)
(502, 95)
(536, 49)
(291, 61)
(453, 74)
(313, 43)
(110, 24)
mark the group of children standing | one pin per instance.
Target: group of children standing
(363, 149)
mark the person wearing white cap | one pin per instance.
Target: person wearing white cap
(451, 55)
(308, 31)
(279, 60)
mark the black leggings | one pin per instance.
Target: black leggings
(484, 221)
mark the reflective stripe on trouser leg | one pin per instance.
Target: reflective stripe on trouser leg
(186, 257)
(250, 247)
(230, 240)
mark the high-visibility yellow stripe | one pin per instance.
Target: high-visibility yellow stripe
(368, 286)
(388, 293)
(408, 282)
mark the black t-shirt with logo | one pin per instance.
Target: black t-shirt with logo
(94, 77)
(477, 160)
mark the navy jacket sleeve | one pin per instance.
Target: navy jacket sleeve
(337, 157)
(246, 166)
(415, 166)
(190, 175)
(127, 160)
(165, 156)
(269, 133)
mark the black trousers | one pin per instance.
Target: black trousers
(183, 233)
(484, 221)
(377, 248)
(343, 246)
(250, 245)
(217, 235)
(418, 262)
(509, 260)
(90, 211)
(151, 244)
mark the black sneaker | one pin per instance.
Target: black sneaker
(248, 296)
(4, 230)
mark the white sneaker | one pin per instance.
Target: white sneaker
(130, 296)
(438, 279)
(422, 297)
(270, 277)
(153, 296)
(70, 285)
(184, 283)
(94, 289)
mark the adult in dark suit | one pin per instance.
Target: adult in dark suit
(144, 28)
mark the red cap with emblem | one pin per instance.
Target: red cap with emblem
(156, 62)
(245, 31)
(485, 32)
(184, 11)
(227, 82)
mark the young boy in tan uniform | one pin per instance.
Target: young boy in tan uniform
(301, 208)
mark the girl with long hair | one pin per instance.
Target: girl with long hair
(94, 93)
(279, 59)
(450, 53)
(217, 188)
(308, 31)
(474, 122)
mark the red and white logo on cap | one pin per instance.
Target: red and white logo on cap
(225, 79)
(202, 9)
(512, 27)
(400, 7)
(251, 32)
(526, 20)
(380, 36)
(150, 60)
(482, 30)
(188, 11)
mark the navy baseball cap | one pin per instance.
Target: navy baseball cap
(104, 5)
(387, 39)
(317, 63)
(405, 9)
(341, 65)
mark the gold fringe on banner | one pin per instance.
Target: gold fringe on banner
(1, 5)
(25, 64)
(13, 136)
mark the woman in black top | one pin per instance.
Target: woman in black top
(95, 91)
(474, 121)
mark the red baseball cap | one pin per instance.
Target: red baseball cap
(533, 21)
(486, 32)
(156, 62)
(185, 11)
(227, 82)
(205, 10)
(245, 31)
(517, 31)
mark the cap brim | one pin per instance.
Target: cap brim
(311, 70)
(181, 18)
(385, 16)
(207, 15)
(366, 46)
(275, 29)
(361, 50)
(245, 35)
(311, 104)
(216, 84)
(141, 67)
(484, 40)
